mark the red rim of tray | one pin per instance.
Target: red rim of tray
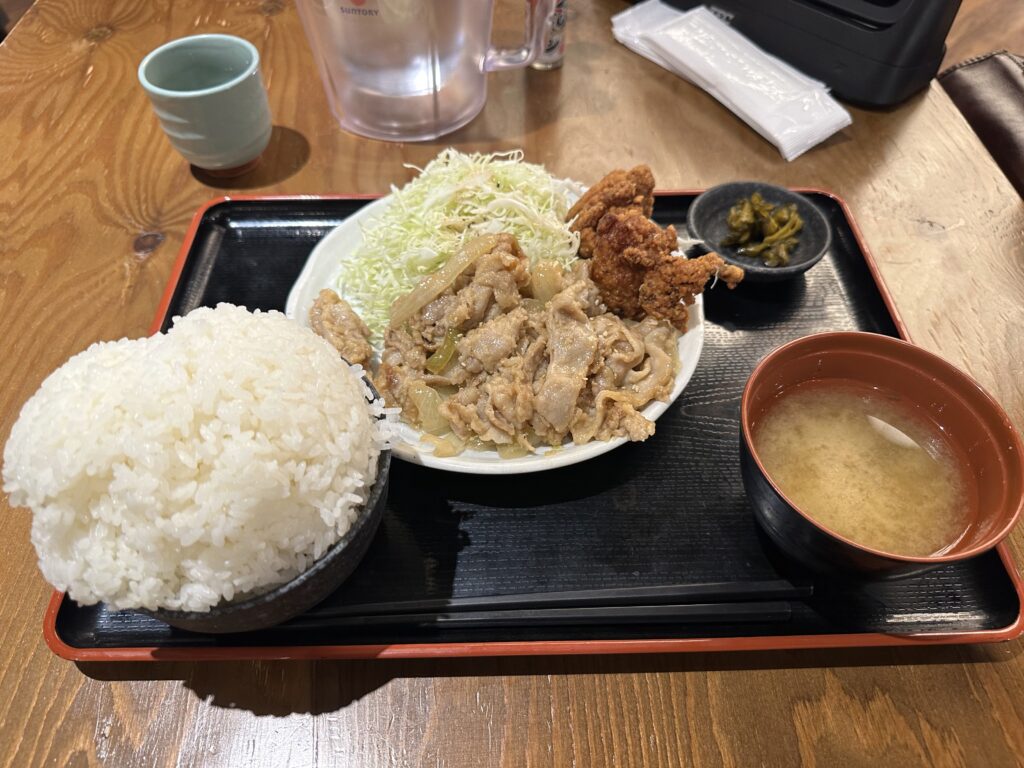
(534, 647)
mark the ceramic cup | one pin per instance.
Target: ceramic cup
(207, 92)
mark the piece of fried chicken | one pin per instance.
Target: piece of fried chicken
(626, 245)
(617, 192)
(669, 288)
(637, 274)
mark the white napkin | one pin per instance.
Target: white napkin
(791, 110)
(629, 26)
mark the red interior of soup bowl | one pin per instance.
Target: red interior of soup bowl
(986, 446)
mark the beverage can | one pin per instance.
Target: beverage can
(553, 50)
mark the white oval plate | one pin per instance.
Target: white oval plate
(322, 270)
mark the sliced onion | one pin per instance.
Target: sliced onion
(446, 390)
(476, 444)
(428, 409)
(438, 361)
(447, 446)
(533, 305)
(546, 280)
(458, 445)
(511, 450)
(432, 286)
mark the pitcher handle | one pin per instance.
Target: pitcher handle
(537, 12)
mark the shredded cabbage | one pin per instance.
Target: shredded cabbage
(456, 197)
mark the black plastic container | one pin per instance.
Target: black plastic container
(874, 53)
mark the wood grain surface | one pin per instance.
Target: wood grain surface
(94, 204)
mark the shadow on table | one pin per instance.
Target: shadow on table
(522, 102)
(280, 688)
(285, 155)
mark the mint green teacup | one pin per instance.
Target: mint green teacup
(210, 99)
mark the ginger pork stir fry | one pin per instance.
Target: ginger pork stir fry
(332, 318)
(503, 357)
(489, 353)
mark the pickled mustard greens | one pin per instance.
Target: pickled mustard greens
(764, 230)
(455, 198)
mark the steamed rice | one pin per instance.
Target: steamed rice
(183, 469)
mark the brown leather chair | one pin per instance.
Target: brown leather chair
(989, 91)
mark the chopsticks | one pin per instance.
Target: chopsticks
(672, 603)
(714, 592)
(695, 613)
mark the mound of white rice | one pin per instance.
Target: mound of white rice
(182, 469)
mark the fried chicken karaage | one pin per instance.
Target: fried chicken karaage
(669, 288)
(626, 245)
(617, 192)
(632, 261)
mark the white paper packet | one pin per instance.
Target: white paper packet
(786, 107)
(629, 25)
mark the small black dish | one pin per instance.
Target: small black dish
(706, 221)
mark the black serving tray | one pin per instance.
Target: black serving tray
(670, 510)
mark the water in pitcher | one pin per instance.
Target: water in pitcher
(401, 69)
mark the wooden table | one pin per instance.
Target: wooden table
(93, 206)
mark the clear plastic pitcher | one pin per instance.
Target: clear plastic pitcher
(411, 70)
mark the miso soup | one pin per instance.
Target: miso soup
(866, 466)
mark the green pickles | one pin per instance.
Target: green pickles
(763, 230)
